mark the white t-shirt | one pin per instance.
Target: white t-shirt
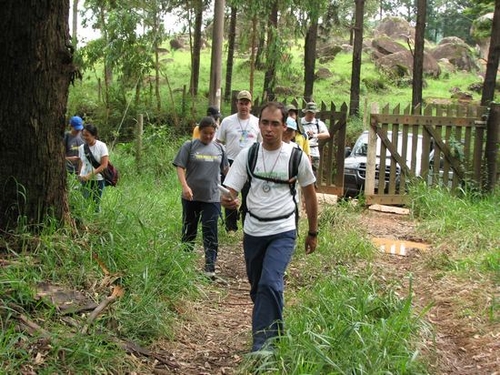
(237, 134)
(269, 199)
(99, 149)
(311, 128)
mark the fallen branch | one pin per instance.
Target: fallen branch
(117, 292)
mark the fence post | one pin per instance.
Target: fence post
(139, 130)
(492, 128)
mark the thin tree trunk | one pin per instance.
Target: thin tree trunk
(196, 51)
(270, 75)
(310, 59)
(35, 79)
(493, 59)
(74, 35)
(356, 58)
(230, 53)
(216, 62)
(418, 58)
(252, 53)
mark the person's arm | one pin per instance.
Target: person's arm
(311, 202)
(187, 193)
(324, 133)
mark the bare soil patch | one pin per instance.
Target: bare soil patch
(214, 334)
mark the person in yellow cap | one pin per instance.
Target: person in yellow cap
(299, 137)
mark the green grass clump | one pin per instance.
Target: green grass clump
(467, 224)
(348, 324)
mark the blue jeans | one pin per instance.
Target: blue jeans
(192, 212)
(266, 260)
(93, 189)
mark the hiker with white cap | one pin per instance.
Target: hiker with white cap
(238, 131)
(316, 130)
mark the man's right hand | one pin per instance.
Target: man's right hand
(229, 202)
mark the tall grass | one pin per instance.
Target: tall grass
(466, 224)
(135, 238)
(339, 318)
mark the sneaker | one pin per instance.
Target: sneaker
(210, 275)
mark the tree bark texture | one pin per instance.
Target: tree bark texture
(493, 59)
(310, 59)
(356, 58)
(271, 56)
(230, 53)
(418, 57)
(216, 62)
(35, 70)
(196, 51)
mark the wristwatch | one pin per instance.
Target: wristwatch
(312, 234)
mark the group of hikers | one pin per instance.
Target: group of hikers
(257, 168)
(262, 165)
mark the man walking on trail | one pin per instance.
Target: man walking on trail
(237, 132)
(270, 228)
(315, 130)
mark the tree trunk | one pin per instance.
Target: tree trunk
(35, 72)
(216, 62)
(230, 53)
(252, 53)
(310, 59)
(418, 58)
(493, 58)
(356, 58)
(196, 51)
(271, 55)
(156, 45)
(260, 48)
(74, 35)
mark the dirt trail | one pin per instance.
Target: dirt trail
(216, 332)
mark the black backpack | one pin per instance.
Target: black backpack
(293, 170)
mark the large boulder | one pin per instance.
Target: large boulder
(323, 73)
(400, 64)
(481, 33)
(459, 55)
(383, 45)
(452, 40)
(395, 28)
(328, 52)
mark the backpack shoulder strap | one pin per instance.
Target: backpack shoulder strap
(317, 124)
(293, 164)
(252, 159)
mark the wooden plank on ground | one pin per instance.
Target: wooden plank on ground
(390, 209)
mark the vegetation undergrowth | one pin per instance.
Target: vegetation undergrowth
(341, 319)
(131, 245)
(466, 224)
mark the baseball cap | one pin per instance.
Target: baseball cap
(291, 107)
(291, 123)
(214, 112)
(244, 94)
(76, 122)
(310, 107)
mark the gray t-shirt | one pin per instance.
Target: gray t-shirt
(204, 165)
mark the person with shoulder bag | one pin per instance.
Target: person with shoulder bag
(90, 174)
